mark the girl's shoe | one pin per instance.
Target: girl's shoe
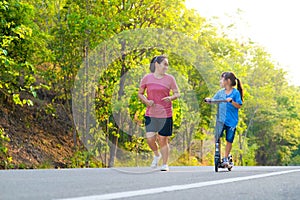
(230, 160)
(225, 162)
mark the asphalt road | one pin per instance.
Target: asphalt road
(141, 183)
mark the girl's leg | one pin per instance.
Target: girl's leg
(230, 133)
(228, 149)
(164, 148)
(151, 140)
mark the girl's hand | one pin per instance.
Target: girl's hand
(229, 99)
(207, 100)
(166, 99)
(150, 103)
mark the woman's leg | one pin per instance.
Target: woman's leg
(164, 148)
(151, 140)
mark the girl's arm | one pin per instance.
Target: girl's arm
(217, 96)
(235, 104)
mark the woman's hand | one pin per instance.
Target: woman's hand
(149, 103)
(166, 99)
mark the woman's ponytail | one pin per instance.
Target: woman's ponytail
(240, 88)
(157, 59)
(152, 64)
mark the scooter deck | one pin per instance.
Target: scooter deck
(221, 166)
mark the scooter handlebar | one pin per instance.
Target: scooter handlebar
(214, 101)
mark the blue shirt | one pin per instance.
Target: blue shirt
(227, 112)
(221, 95)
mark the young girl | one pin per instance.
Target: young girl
(158, 117)
(228, 112)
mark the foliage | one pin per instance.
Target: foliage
(83, 159)
(186, 160)
(43, 43)
(5, 159)
(20, 51)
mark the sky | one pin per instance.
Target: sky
(272, 24)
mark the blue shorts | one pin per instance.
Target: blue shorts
(230, 133)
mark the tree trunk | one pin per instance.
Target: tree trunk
(201, 151)
(107, 139)
(241, 147)
(113, 151)
(86, 92)
(114, 145)
(183, 142)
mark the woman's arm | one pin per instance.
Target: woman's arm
(142, 97)
(175, 95)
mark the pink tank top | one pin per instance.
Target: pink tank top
(156, 90)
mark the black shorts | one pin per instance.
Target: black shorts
(164, 126)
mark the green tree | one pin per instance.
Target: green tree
(19, 42)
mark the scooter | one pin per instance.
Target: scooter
(218, 131)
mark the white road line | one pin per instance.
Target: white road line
(134, 193)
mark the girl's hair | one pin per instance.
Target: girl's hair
(157, 59)
(234, 81)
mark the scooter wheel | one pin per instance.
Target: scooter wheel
(216, 165)
(229, 169)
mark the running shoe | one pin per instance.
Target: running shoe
(155, 161)
(225, 162)
(164, 168)
(230, 160)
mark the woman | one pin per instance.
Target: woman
(158, 117)
(228, 113)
